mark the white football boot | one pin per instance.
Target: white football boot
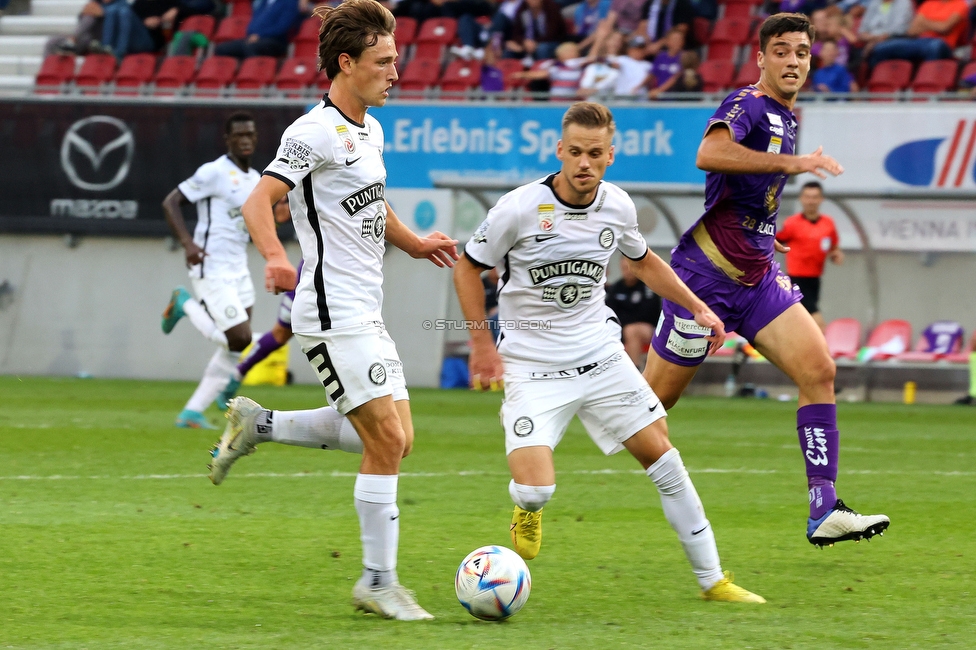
(841, 524)
(239, 439)
(392, 601)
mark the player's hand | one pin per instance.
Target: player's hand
(707, 318)
(279, 275)
(194, 254)
(817, 164)
(486, 368)
(780, 247)
(438, 248)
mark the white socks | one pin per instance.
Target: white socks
(530, 497)
(379, 524)
(202, 321)
(321, 428)
(683, 510)
(215, 378)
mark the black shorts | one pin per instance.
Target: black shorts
(810, 288)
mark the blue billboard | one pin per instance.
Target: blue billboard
(431, 143)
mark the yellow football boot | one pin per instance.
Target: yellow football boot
(728, 592)
(526, 532)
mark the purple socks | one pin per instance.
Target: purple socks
(260, 351)
(816, 425)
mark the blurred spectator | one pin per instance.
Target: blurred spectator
(537, 30)
(502, 21)
(586, 19)
(466, 12)
(267, 33)
(637, 308)
(939, 26)
(634, 73)
(87, 34)
(123, 30)
(660, 17)
(600, 76)
(689, 80)
(667, 63)
(830, 27)
(882, 20)
(564, 73)
(831, 76)
(625, 16)
(968, 83)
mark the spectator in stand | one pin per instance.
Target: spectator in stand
(537, 31)
(634, 71)
(465, 12)
(123, 31)
(970, 399)
(185, 42)
(85, 39)
(600, 76)
(939, 26)
(831, 76)
(689, 80)
(667, 63)
(811, 238)
(564, 74)
(267, 33)
(637, 308)
(830, 27)
(586, 19)
(625, 16)
(882, 20)
(660, 17)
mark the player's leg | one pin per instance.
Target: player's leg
(667, 379)
(637, 336)
(970, 399)
(794, 343)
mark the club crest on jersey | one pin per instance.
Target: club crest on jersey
(606, 238)
(374, 227)
(567, 295)
(363, 197)
(581, 268)
(377, 374)
(547, 217)
(346, 138)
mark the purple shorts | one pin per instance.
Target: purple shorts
(744, 310)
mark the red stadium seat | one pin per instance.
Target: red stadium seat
(890, 76)
(56, 70)
(215, 73)
(307, 40)
(509, 68)
(231, 28)
(419, 75)
(135, 71)
(322, 82)
(748, 73)
(888, 337)
(296, 74)
(241, 8)
(461, 76)
(730, 30)
(200, 23)
(406, 31)
(968, 70)
(97, 69)
(739, 10)
(957, 357)
(843, 338)
(255, 74)
(701, 28)
(716, 75)
(721, 52)
(438, 30)
(936, 76)
(174, 73)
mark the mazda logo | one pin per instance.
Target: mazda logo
(78, 140)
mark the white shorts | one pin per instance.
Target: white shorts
(611, 398)
(226, 298)
(355, 364)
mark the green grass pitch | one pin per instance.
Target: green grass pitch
(111, 536)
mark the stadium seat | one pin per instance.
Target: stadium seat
(96, 70)
(135, 71)
(936, 341)
(701, 28)
(419, 75)
(215, 73)
(434, 36)
(889, 338)
(843, 338)
(890, 76)
(741, 10)
(322, 82)
(240, 8)
(969, 69)
(256, 73)
(296, 74)
(56, 70)
(231, 28)
(509, 68)
(461, 76)
(307, 40)
(201, 23)
(935, 76)
(716, 75)
(727, 36)
(406, 31)
(174, 73)
(748, 72)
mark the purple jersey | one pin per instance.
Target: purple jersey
(734, 237)
(943, 337)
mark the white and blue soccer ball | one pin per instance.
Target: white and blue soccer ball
(493, 583)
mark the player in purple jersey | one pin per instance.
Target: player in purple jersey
(726, 258)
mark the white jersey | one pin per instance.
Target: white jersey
(552, 260)
(338, 178)
(219, 189)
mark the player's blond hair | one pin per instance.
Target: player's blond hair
(589, 115)
(350, 28)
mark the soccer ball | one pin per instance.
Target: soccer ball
(492, 583)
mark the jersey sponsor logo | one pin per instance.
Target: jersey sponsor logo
(523, 426)
(775, 144)
(550, 270)
(374, 227)
(784, 282)
(733, 113)
(106, 168)
(361, 198)
(686, 348)
(605, 365)
(567, 295)
(480, 235)
(576, 216)
(816, 442)
(688, 326)
(636, 397)
(296, 154)
(547, 216)
(377, 374)
(363, 135)
(606, 238)
(775, 119)
(346, 138)
(542, 238)
(554, 374)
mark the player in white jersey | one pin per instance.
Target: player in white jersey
(331, 163)
(560, 353)
(216, 254)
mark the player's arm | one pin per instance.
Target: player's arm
(485, 363)
(662, 280)
(718, 152)
(258, 210)
(174, 217)
(436, 247)
(835, 254)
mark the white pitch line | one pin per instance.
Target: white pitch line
(338, 474)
